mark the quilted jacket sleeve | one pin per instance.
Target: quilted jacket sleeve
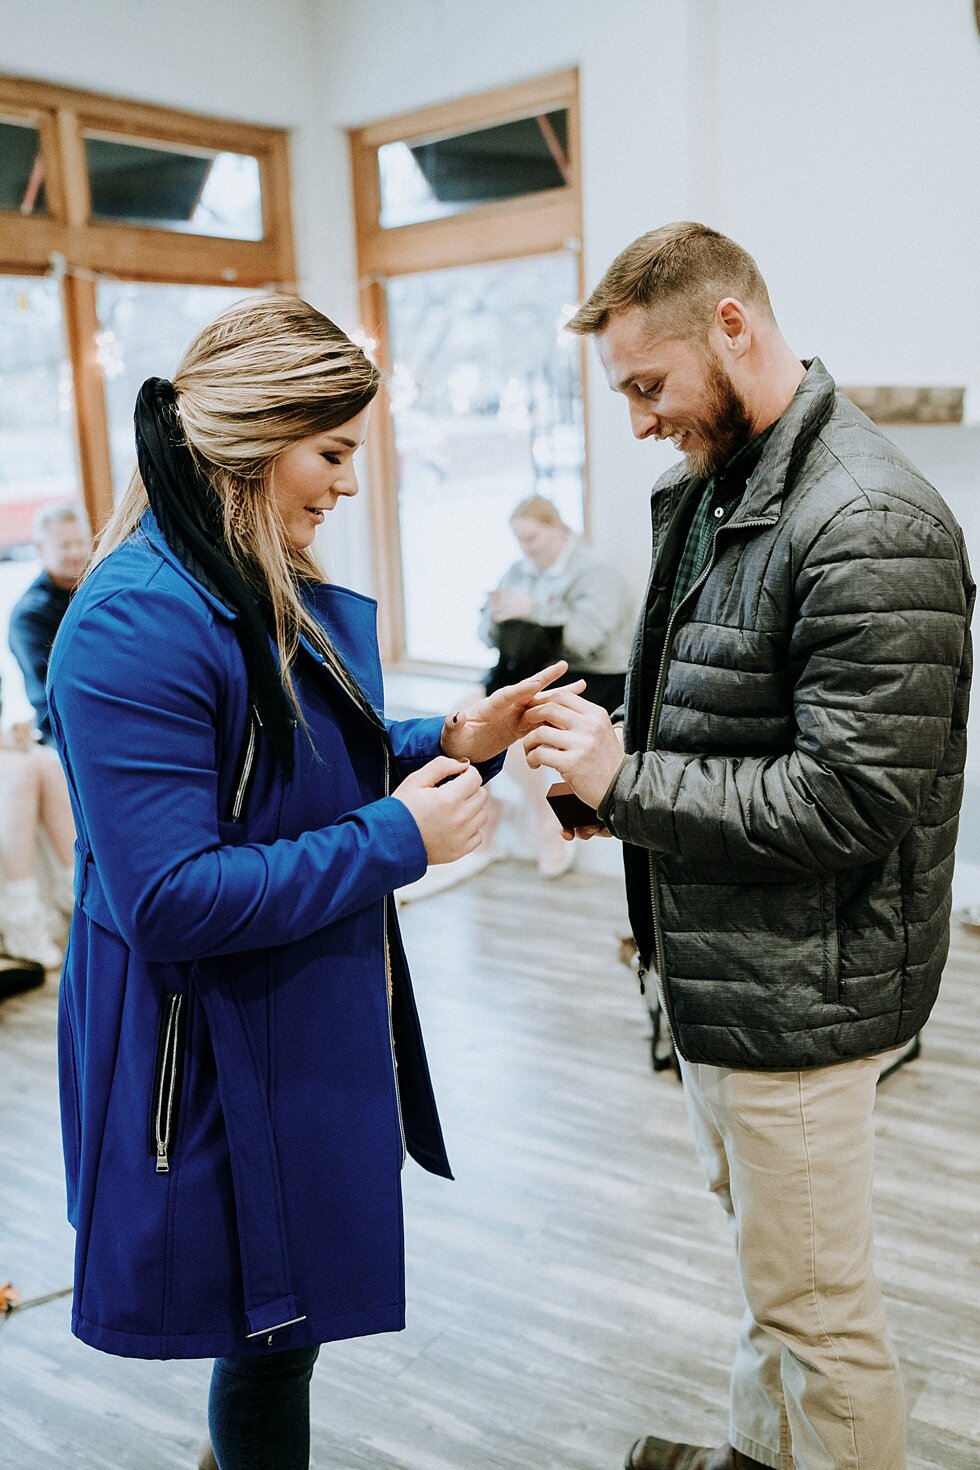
(882, 610)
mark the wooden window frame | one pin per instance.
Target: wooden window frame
(68, 243)
(532, 224)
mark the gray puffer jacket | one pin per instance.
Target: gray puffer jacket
(795, 745)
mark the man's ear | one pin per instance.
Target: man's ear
(732, 328)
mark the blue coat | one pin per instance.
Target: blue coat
(233, 1129)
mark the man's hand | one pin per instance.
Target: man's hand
(577, 739)
(489, 725)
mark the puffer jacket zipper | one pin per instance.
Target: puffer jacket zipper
(166, 1085)
(658, 697)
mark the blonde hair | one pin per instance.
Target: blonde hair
(267, 372)
(538, 508)
(681, 271)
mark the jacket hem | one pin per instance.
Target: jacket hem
(220, 1344)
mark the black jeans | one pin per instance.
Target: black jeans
(259, 1411)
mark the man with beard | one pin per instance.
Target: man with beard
(786, 783)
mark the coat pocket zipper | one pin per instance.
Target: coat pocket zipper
(166, 1081)
(244, 767)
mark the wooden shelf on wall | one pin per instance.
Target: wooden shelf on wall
(905, 405)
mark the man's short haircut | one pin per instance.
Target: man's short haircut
(53, 515)
(679, 272)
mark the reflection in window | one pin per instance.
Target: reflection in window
(429, 180)
(143, 331)
(37, 445)
(487, 408)
(21, 168)
(189, 191)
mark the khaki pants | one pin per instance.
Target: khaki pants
(815, 1383)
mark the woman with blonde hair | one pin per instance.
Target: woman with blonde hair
(236, 993)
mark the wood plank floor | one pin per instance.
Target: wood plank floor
(574, 1287)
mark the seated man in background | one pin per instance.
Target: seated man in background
(63, 542)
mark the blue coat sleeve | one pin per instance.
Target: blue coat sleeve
(136, 688)
(416, 742)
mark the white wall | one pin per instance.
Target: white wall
(844, 142)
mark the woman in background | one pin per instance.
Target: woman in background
(236, 995)
(560, 599)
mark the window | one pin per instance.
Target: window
(441, 176)
(191, 191)
(21, 168)
(38, 464)
(138, 223)
(469, 218)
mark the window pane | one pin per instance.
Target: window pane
(421, 181)
(37, 445)
(21, 168)
(143, 332)
(193, 192)
(487, 408)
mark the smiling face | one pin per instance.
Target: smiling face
(311, 475)
(676, 389)
(64, 547)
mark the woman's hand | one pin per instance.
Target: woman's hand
(485, 728)
(449, 802)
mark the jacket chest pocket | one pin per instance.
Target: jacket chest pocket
(166, 1080)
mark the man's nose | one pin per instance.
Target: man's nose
(643, 421)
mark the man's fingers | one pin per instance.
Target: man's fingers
(567, 695)
(547, 737)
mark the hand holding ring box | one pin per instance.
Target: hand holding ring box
(570, 809)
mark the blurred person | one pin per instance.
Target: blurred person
(242, 1067)
(34, 805)
(787, 789)
(64, 544)
(560, 599)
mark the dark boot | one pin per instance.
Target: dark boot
(206, 1460)
(663, 1454)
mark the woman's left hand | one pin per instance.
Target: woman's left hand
(488, 726)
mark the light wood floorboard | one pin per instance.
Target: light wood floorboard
(574, 1287)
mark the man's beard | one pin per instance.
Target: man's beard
(723, 426)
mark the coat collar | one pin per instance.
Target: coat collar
(794, 432)
(348, 618)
